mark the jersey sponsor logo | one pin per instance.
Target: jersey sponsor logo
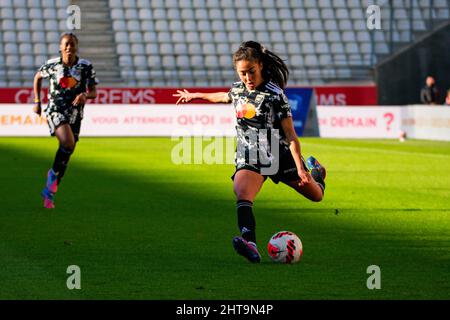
(67, 82)
(245, 109)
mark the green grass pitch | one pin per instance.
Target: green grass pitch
(141, 227)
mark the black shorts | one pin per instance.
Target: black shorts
(287, 170)
(72, 116)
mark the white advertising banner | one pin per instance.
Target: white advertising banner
(129, 120)
(359, 122)
(427, 122)
(18, 120)
(419, 122)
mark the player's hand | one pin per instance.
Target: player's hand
(305, 177)
(79, 99)
(184, 96)
(37, 108)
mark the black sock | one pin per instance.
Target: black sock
(246, 220)
(61, 160)
(317, 176)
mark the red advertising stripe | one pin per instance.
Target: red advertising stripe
(336, 96)
(346, 96)
(109, 95)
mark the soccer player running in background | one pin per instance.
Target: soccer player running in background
(72, 82)
(262, 109)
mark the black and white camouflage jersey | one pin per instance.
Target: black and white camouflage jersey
(259, 113)
(66, 82)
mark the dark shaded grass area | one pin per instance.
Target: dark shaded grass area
(140, 227)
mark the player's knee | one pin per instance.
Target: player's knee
(242, 194)
(317, 197)
(68, 147)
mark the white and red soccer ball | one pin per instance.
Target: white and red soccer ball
(285, 247)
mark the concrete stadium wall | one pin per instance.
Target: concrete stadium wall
(400, 78)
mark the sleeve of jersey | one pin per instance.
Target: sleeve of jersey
(230, 96)
(282, 107)
(44, 70)
(91, 76)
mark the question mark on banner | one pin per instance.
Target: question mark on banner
(390, 117)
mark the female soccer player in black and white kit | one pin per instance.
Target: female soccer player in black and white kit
(72, 82)
(266, 138)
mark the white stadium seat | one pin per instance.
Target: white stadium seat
(197, 61)
(133, 25)
(11, 49)
(119, 25)
(174, 36)
(206, 36)
(21, 13)
(296, 60)
(180, 49)
(131, 14)
(53, 48)
(152, 48)
(194, 49)
(150, 37)
(123, 49)
(187, 14)
(9, 36)
(145, 4)
(211, 61)
(12, 60)
(8, 24)
(192, 37)
(168, 61)
(125, 61)
(49, 13)
(140, 61)
(117, 14)
(121, 37)
(178, 37)
(154, 61)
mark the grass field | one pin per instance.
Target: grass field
(141, 227)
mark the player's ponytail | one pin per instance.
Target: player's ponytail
(274, 69)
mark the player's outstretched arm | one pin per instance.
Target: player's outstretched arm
(215, 97)
(37, 85)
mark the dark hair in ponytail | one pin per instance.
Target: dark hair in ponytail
(274, 68)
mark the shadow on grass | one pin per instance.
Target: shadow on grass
(138, 237)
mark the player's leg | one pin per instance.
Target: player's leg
(314, 190)
(67, 143)
(247, 184)
(66, 146)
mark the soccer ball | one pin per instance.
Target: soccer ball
(285, 247)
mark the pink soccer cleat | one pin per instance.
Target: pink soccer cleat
(246, 249)
(49, 204)
(48, 199)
